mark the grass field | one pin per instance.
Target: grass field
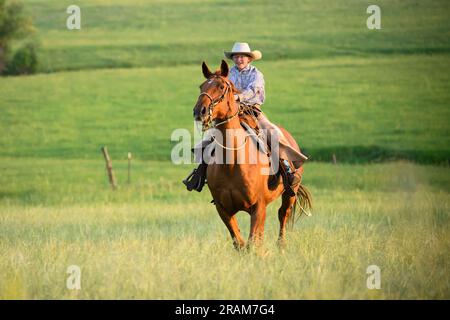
(153, 33)
(378, 100)
(154, 240)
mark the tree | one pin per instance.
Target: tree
(13, 25)
(24, 60)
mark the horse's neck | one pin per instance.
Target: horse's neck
(234, 124)
(235, 145)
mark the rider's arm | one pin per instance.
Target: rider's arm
(254, 88)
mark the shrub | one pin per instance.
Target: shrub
(24, 60)
(14, 24)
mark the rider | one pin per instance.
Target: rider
(250, 82)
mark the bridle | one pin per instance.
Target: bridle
(209, 124)
(215, 102)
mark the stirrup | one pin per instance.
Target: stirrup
(188, 182)
(196, 179)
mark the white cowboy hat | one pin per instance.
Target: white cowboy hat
(243, 48)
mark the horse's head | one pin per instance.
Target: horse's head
(216, 101)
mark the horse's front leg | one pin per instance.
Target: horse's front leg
(230, 221)
(258, 218)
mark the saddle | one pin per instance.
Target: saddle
(249, 114)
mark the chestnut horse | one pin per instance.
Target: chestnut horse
(240, 186)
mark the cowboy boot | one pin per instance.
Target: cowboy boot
(290, 179)
(196, 180)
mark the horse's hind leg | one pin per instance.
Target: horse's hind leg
(231, 223)
(283, 214)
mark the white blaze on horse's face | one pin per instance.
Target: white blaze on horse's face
(212, 93)
(201, 108)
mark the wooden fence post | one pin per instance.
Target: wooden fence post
(129, 167)
(109, 169)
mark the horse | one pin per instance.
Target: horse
(238, 186)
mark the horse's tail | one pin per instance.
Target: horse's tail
(304, 200)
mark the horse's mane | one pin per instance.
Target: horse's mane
(218, 73)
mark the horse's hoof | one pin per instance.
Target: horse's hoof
(281, 244)
(240, 247)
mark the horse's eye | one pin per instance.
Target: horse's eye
(221, 87)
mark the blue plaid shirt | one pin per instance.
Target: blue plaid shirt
(250, 81)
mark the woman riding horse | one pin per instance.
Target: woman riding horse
(250, 82)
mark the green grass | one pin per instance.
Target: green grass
(154, 33)
(338, 87)
(152, 239)
(361, 109)
(130, 77)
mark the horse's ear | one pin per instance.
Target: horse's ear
(206, 72)
(224, 69)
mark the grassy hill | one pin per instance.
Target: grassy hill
(130, 76)
(361, 109)
(117, 34)
(340, 88)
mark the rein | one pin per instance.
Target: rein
(209, 124)
(215, 102)
(231, 148)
